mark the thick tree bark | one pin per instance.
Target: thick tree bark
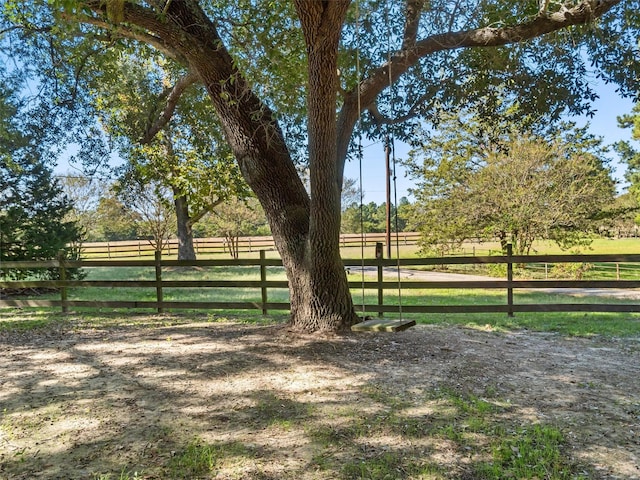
(306, 231)
(185, 229)
(327, 290)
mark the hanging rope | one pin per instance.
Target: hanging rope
(360, 155)
(393, 158)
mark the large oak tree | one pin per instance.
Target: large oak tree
(396, 61)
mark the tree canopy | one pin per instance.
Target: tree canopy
(290, 81)
(33, 208)
(494, 181)
(164, 126)
(628, 150)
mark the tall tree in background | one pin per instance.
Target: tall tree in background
(32, 204)
(164, 126)
(622, 217)
(115, 220)
(436, 55)
(628, 150)
(488, 182)
(149, 206)
(85, 194)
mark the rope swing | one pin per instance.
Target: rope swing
(379, 324)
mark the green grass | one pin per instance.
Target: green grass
(530, 452)
(197, 459)
(495, 445)
(132, 294)
(597, 271)
(566, 323)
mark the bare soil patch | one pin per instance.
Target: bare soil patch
(79, 402)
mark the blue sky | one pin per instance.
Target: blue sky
(604, 124)
(608, 107)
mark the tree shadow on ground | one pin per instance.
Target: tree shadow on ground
(250, 401)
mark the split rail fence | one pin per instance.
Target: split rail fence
(213, 245)
(375, 281)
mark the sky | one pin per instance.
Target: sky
(607, 108)
(604, 124)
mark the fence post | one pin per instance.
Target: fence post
(509, 279)
(63, 278)
(263, 280)
(159, 294)
(379, 257)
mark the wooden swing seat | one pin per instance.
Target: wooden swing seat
(382, 325)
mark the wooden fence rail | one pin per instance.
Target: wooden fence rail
(144, 248)
(377, 283)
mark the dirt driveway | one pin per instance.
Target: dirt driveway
(80, 402)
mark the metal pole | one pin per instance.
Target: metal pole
(510, 280)
(263, 281)
(387, 154)
(63, 279)
(159, 293)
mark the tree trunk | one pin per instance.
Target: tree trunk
(327, 302)
(306, 231)
(185, 229)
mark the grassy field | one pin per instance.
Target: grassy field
(597, 271)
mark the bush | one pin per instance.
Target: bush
(573, 271)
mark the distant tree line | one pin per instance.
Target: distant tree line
(372, 218)
(109, 212)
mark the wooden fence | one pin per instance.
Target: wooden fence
(144, 248)
(375, 282)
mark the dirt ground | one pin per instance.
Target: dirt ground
(80, 402)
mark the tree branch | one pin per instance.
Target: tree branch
(133, 13)
(542, 24)
(545, 22)
(195, 218)
(412, 22)
(382, 119)
(172, 101)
